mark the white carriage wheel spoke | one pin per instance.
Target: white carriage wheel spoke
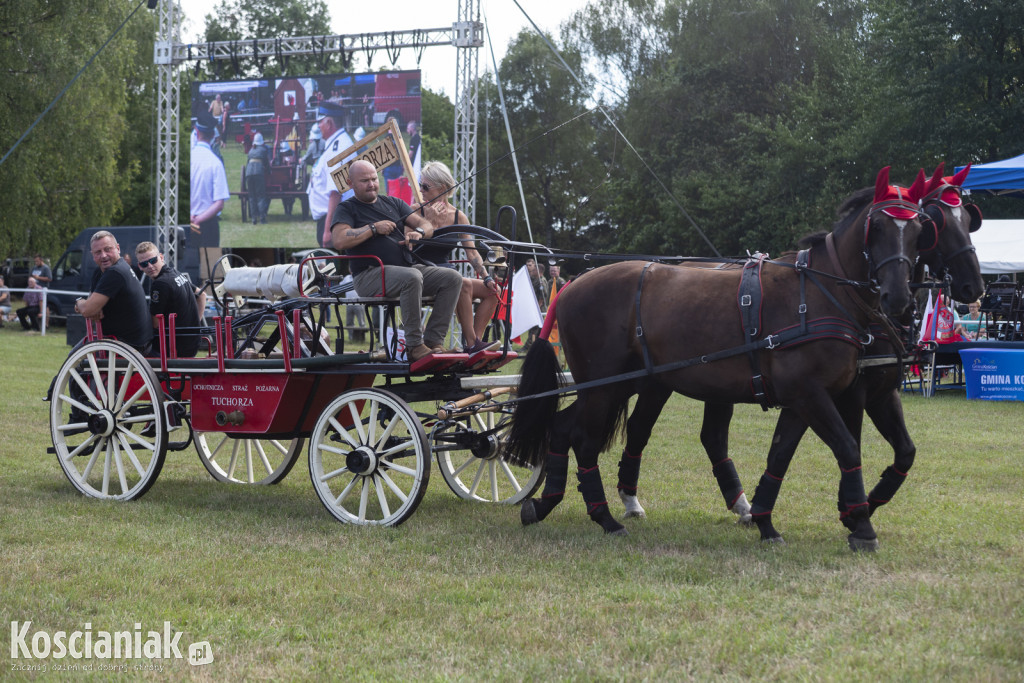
(477, 477)
(135, 419)
(223, 440)
(364, 498)
(106, 468)
(381, 498)
(131, 455)
(120, 467)
(347, 490)
(469, 461)
(481, 423)
(492, 473)
(135, 397)
(512, 479)
(234, 460)
(263, 457)
(81, 406)
(404, 445)
(248, 460)
(332, 474)
(386, 434)
(123, 389)
(81, 447)
(111, 376)
(331, 449)
(92, 460)
(393, 486)
(357, 422)
(371, 423)
(140, 440)
(84, 386)
(344, 432)
(398, 468)
(97, 379)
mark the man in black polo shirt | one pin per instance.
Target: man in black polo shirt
(370, 224)
(172, 292)
(117, 299)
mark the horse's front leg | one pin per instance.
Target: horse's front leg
(649, 405)
(824, 418)
(887, 414)
(714, 436)
(789, 429)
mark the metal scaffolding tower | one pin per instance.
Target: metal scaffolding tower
(169, 54)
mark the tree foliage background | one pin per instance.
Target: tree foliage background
(757, 116)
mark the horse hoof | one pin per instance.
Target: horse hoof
(867, 545)
(772, 542)
(745, 520)
(621, 531)
(528, 513)
(634, 514)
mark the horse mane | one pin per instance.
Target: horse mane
(845, 215)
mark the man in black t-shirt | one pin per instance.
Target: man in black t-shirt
(117, 299)
(172, 292)
(369, 224)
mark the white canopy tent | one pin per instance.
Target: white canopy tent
(1000, 246)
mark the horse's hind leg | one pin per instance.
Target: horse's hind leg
(714, 436)
(641, 423)
(789, 429)
(887, 415)
(556, 469)
(596, 411)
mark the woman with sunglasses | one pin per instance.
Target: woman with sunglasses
(437, 184)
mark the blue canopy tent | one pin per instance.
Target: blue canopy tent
(1005, 177)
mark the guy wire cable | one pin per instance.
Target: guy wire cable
(70, 83)
(617, 130)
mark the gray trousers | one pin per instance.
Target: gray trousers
(409, 284)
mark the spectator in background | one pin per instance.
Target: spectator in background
(323, 193)
(256, 169)
(5, 302)
(208, 186)
(41, 272)
(216, 108)
(556, 281)
(172, 292)
(313, 151)
(414, 140)
(28, 315)
(135, 270)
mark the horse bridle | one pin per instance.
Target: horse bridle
(900, 203)
(933, 198)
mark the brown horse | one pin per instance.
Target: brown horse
(876, 391)
(651, 329)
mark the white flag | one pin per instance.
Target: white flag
(525, 309)
(926, 321)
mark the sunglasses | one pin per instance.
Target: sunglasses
(149, 262)
(424, 187)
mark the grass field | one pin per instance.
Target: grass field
(462, 591)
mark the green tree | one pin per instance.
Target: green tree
(69, 173)
(437, 129)
(245, 20)
(561, 174)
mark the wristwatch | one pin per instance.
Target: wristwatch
(373, 228)
(420, 231)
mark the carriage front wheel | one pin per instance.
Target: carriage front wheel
(246, 460)
(470, 453)
(107, 421)
(368, 458)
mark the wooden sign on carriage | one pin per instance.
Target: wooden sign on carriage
(383, 147)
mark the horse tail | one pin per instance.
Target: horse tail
(528, 436)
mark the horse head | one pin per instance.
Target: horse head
(954, 220)
(892, 239)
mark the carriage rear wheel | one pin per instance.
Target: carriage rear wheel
(470, 454)
(107, 421)
(235, 459)
(368, 458)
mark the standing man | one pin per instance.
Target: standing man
(172, 292)
(369, 224)
(256, 169)
(323, 193)
(208, 184)
(41, 272)
(117, 299)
